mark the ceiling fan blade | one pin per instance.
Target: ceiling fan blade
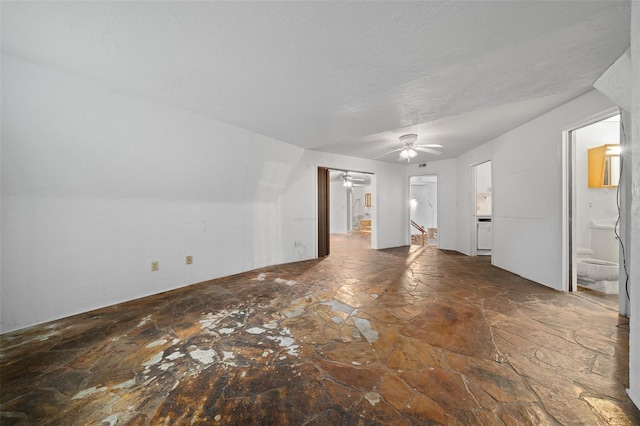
(429, 150)
(387, 153)
(429, 145)
(358, 180)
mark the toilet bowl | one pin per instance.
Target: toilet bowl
(597, 267)
(597, 270)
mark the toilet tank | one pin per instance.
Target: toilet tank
(603, 242)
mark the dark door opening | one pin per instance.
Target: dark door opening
(323, 212)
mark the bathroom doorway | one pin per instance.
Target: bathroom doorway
(594, 170)
(597, 174)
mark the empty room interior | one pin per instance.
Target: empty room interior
(323, 213)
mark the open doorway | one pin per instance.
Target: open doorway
(423, 209)
(596, 169)
(600, 179)
(482, 217)
(344, 207)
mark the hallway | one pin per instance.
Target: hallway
(408, 335)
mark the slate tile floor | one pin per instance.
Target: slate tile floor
(402, 336)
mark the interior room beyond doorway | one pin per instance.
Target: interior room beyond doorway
(350, 202)
(423, 195)
(596, 222)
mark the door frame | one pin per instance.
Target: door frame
(472, 206)
(569, 232)
(437, 208)
(324, 201)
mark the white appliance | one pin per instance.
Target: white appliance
(485, 234)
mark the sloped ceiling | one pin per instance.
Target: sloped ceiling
(344, 77)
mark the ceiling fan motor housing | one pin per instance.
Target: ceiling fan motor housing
(408, 139)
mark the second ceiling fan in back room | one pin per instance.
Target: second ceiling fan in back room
(409, 148)
(348, 180)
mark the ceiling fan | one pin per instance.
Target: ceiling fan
(347, 179)
(409, 148)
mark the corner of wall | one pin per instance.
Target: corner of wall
(634, 322)
(614, 83)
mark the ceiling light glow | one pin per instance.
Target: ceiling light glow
(614, 150)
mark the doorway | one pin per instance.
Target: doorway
(623, 196)
(423, 209)
(344, 205)
(482, 210)
(595, 170)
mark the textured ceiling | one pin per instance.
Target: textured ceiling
(332, 75)
(457, 134)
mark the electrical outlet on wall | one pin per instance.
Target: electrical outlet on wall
(155, 266)
(189, 260)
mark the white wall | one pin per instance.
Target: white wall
(96, 185)
(339, 212)
(593, 204)
(447, 207)
(527, 191)
(634, 214)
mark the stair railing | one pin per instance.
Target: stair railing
(421, 229)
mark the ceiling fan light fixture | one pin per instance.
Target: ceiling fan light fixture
(408, 153)
(409, 148)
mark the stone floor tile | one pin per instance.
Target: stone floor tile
(454, 326)
(609, 411)
(452, 391)
(567, 411)
(357, 353)
(405, 356)
(395, 391)
(425, 408)
(372, 407)
(497, 379)
(533, 414)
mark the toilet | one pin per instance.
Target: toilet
(597, 268)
